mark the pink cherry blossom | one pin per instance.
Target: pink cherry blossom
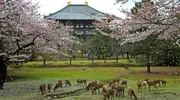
(23, 29)
(160, 17)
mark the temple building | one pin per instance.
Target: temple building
(80, 16)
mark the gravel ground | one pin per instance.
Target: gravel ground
(29, 90)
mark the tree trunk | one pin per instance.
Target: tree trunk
(148, 63)
(127, 55)
(3, 72)
(92, 58)
(82, 54)
(71, 57)
(104, 59)
(117, 59)
(44, 61)
(70, 63)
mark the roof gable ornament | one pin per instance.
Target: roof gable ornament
(86, 3)
(69, 3)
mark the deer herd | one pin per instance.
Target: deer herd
(108, 89)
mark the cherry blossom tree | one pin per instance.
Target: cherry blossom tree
(159, 17)
(148, 17)
(23, 29)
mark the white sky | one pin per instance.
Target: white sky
(106, 6)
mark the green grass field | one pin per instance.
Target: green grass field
(78, 62)
(25, 87)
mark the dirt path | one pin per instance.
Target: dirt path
(66, 94)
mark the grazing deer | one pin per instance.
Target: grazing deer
(163, 82)
(124, 82)
(131, 93)
(157, 82)
(144, 83)
(113, 85)
(91, 85)
(151, 84)
(119, 90)
(97, 86)
(67, 82)
(139, 85)
(58, 85)
(49, 87)
(60, 81)
(115, 80)
(82, 82)
(108, 93)
(42, 88)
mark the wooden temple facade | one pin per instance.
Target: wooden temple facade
(80, 16)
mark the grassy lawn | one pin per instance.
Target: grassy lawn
(26, 87)
(72, 73)
(78, 62)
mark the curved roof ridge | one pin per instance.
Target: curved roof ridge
(96, 9)
(57, 11)
(61, 11)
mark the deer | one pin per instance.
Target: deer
(58, 85)
(108, 93)
(163, 82)
(42, 88)
(124, 82)
(97, 86)
(115, 80)
(131, 93)
(157, 82)
(91, 85)
(82, 82)
(153, 83)
(139, 85)
(49, 87)
(119, 90)
(144, 83)
(67, 82)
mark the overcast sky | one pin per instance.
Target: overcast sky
(106, 6)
